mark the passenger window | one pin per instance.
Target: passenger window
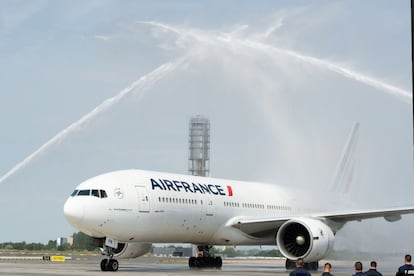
(75, 192)
(84, 192)
(95, 193)
(103, 194)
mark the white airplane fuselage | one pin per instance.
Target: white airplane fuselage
(143, 206)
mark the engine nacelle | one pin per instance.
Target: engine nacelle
(306, 238)
(131, 250)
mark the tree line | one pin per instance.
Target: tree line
(80, 242)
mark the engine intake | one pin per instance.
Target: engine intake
(306, 238)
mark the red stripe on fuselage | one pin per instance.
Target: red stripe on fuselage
(230, 190)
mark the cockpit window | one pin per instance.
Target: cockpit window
(95, 193)
(103, 194)
(84, 192)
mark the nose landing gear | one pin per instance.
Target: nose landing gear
(109, 264)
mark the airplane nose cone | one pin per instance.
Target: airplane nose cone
(74, 211)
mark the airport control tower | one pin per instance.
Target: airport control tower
(199, 146)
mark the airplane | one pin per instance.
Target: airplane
(127, 211)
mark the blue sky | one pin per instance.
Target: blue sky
(281, 81)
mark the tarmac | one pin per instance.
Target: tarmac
(89, 265)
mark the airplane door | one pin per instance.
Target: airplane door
(209, 207)
(143, 199)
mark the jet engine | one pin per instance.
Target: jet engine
(131, 250)
(306, 238)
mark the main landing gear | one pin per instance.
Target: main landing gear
(206, 259)
(109, 264)
(312, 266)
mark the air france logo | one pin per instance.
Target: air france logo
(178, 186)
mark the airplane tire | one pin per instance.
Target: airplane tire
(104, 265)
(109, 265)
(218, 262)
(290, 264)
(113, 265)
(201, 262)
(192, 262)
(313, 266)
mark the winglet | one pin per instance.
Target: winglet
(344, 170)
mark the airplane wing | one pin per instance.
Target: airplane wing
(389, 214)
(263, 227)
